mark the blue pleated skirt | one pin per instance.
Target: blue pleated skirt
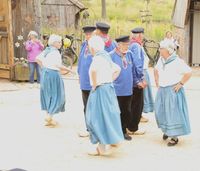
(52, 92)
(148, 97)
(171, 111)
(103, 116)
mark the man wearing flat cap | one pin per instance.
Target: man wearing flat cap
(102, 30)
(124, 82)
(85, 59)
(138, 81)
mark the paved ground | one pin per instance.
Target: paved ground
(25, 143)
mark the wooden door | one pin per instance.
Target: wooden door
(196, 37)
(6, 45)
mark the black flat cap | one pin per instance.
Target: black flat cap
(89, 29)
(122, 39)
(102, 26)
(138, 30)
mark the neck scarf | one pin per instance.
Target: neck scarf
(168, 60)
(123, 58)
(107, 40)
(136, 40)
(105, 55)
(48, 50)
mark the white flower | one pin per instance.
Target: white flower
(17, 44)
(20, 37)
(21, 58)
(16, 59)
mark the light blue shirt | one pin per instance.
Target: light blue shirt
(138, 63)
(84, 62)
(124, 82)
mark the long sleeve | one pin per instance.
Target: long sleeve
(41, 46)
(28, 45)
(138, 62)
(80, 56)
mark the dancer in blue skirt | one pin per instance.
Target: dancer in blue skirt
(102, 112)
(52, 93)
(84, 61)
(171, 111)
(148, 96)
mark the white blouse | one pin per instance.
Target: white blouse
(104, 70)
(172, 72)
(52, 60)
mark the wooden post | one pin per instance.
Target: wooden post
(10, 40)
(103, 10)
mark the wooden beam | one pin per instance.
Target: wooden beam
(191, 37)
(4, 74)
(180, 13)
(10, 38)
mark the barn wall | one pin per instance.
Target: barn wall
(25, 17)
(59, 17)
(196, 35)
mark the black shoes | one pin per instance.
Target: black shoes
(127, 137)
(164, 137)
(172, 142)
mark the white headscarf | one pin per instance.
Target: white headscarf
(54, 38)
(168, 45)
(97, 43)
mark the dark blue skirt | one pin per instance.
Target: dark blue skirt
(171, 111)
(52, 92)
(103, 116)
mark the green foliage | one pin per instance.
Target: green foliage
(124, 15)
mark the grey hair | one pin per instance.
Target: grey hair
(168, 45)
(32, 33)
(97, 43)
(54, 38)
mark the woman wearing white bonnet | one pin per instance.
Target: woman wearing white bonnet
(52, 92)
(102, 111)
(171, 112)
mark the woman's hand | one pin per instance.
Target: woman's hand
(94, 87)
(177, 87)
(157, 84)
(185, 78)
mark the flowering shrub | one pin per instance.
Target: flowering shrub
(21, 61)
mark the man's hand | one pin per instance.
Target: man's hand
(142, 84)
